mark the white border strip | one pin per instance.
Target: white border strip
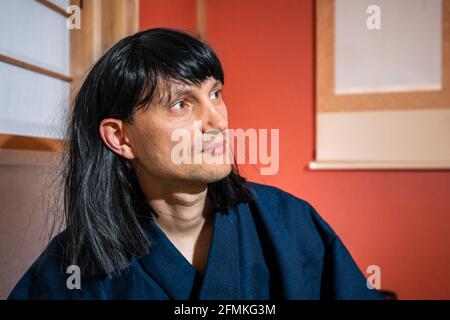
(387, 89)
(379, 165)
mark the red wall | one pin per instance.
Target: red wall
(399, 220)
(180, 14)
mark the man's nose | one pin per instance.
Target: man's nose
(214, 117)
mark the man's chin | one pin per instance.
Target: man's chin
(213, 173)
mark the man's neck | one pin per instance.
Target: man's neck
(182, 208)
(184, 214)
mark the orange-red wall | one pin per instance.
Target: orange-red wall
(399, 220)
(179, 14)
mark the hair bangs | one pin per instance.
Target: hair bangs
(167, 58)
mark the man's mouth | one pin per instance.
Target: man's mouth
(216, 147)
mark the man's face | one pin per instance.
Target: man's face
(195, 112)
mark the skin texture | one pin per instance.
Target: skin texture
(177, 192)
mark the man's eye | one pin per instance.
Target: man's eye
(178, 106)
(215, 95)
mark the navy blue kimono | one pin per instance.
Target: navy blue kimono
(275, 247)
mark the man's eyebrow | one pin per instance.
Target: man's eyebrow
(183, 90)
(179, 91)
(217, 83)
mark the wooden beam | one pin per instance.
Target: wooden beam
(201, 18)
(54, 7)
(8, 141)
(32, 67)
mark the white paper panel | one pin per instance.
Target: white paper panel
(404, 55)
(31, 104)
(33, 33)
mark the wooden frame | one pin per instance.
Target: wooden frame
(333, 106)
(103, 22)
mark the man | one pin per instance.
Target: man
(142, 225)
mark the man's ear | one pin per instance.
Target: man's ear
(112, 132)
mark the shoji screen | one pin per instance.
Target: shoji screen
(34, 68)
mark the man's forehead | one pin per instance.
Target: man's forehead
(176, 86)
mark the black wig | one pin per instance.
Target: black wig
(104, 207)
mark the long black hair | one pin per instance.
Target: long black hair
(104, 206)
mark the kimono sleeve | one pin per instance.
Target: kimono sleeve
(341, 277)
